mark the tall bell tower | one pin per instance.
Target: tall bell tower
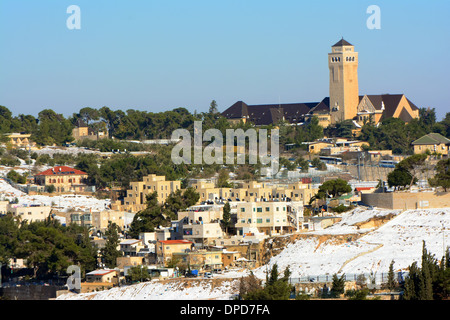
(344, 92)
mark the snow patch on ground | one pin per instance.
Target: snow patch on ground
(158, 290)
(62, 202)
(400, 239)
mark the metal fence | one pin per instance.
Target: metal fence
(378, 278)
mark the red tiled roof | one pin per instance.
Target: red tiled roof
(175, 241)
(61, 170)
(100, 272)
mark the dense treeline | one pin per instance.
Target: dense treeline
(396, 135)
(430, 281)
(53, 128)
(48, 247)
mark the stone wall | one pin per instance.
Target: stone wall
(32, 292)
(407, 200)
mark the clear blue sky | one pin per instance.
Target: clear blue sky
(159, 55)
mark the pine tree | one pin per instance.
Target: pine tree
(226, 217)
(392, 283)
(426, 283)
(110, 252)
(338, 285)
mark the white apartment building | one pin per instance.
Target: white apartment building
(270, 218)
(30, 213)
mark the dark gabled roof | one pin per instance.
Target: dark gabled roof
(342, 42)
(80, 123)
(413, 106)
(269, 113)
(431, 139)
(391, 102)
(237, 110)
(322, 107)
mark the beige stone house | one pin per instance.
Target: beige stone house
(202, 259)
(20, 139)
(131, 247)
(136, 197)
(82, 131)
(103, 275)
(166, 248)
(63, 178)
(30, 213)
(433, 142)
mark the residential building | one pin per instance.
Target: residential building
(201, 224)
(82, 131)
(101, 219)
(102, 275)
(270, 218)
(20, 140)
(83, 219)
(202, 213)
(136, 197)
(330, 146)
(123, 262)
(433, 142)
(131, 247)
(202, 233)
(149, 240)
(64, 179)
(202, 260)
(30, 213)
(166, 248)
(4, 207)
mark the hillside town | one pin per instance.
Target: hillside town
(348, 203)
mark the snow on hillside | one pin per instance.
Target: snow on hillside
(50, 150)
(400, 239)
(65, 202)
(158, 290)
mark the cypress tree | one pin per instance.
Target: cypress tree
(392, 283)
(426, 283)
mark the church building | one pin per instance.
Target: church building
(344, 101)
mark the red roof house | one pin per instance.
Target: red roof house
(63, 178)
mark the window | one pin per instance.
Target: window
(259, 209)
(242, 209)
(268, 220)
(259, 220)
(267, 209)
